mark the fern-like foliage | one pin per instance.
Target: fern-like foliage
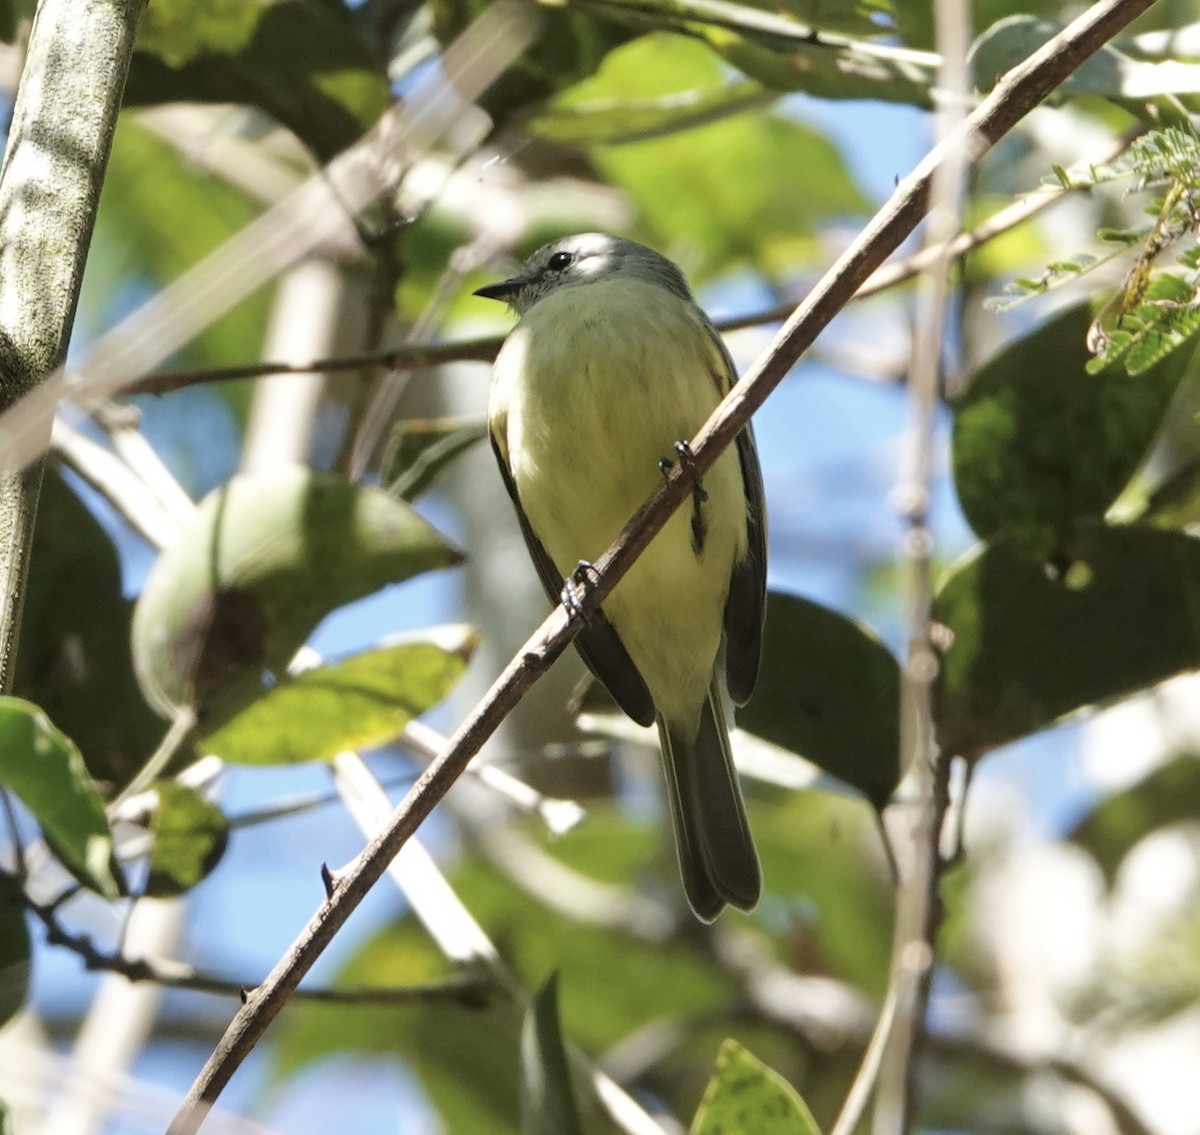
(1156, 310)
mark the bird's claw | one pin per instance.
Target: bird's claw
(575, 588)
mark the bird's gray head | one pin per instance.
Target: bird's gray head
(583, 259)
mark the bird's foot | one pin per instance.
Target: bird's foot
(576, 586)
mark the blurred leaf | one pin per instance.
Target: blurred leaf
(254, 571)
(1168, 795)
(190, 836)
(746, 1096)
(467, 1061)
(301, 61)
(616, 120)
(1027, 647)
(829, 690)
(1041, 446)
(12, 12)
(160, 215)
(847, 71)
(44, 769)
(74, 657)
(16, 958)
(547, 1098)
(725, 193)
(359, 702)
(827, 891)
(419, 450)
(1175, 501)
(1109, 73)
(569, 47)
(914, 18)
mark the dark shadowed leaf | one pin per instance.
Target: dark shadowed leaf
(830, 691)
(74, 658)
(745, 1095)
(263, 560)
(46, 772)
(1041, 446)
(190, 836)
(420, 450)
(16, 959)
(360, 702)
(1168, 795)
(1028, 646)
(569, 47)
(548, 1104)
(301, 61)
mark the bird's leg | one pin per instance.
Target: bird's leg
(683, 451)
(575, 588)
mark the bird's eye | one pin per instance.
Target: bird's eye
(559, 261)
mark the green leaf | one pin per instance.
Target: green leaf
(467, 1060)
(1040, 446)
(746, 1096)
(741, 216)
(419, 450)
(45, 770)
(301, 61)
(1166, 796)
(74, 657)
(16, 956)
(615, 120)
(1028, 646)
(1109, 73)
(829, 690)
(568, 48)
(190, 836)
(148, 186)
(254, 571)
(358, 703)
(547, 1098)
(842, 71)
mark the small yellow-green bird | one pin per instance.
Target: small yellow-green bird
(611, 366)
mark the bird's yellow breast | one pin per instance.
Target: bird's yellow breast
(592, 389)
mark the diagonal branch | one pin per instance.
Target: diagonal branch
(1016, 94)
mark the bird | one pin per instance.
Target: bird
(610, 369)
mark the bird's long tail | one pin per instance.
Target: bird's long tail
(716, 851)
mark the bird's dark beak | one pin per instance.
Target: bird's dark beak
(503, 291)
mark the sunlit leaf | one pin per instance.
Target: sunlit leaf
(359, 702)
(257, 567)
(1027, 645)
(745, 1095)
(190, 836)
(46, 772)
(739, 214)
(547, 1097)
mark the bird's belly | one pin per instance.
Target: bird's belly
(601, 404)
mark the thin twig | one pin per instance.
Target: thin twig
(472, 990)
(1013, 97)
(923, 768)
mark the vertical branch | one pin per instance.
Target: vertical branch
(924, 769)
(63, 122)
